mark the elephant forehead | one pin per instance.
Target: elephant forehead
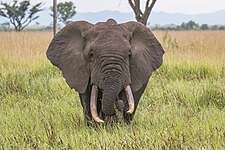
(108, 37)
(104, 32)
(107, 29)
(113, 46)
(116, 35)
(109, 41)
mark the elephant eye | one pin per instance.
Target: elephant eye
(91, 55)
(130, 54)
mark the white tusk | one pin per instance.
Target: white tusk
(130, 99)
(93, 104)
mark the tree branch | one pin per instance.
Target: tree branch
(135, 5)
(131, 4)
(148, 10)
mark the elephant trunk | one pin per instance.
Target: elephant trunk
(111, 90)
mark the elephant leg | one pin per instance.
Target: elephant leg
(137, 96)
(86, 106)
(85, 102)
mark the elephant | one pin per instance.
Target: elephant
(107, 63)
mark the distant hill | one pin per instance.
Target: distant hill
(161, 18)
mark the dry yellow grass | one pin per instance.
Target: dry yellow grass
(194, 46)
(25, 46)
(185, 46)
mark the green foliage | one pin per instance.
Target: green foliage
(169, 42)
(183, 106)
(190, 25)
(204, 27)
(20, 14)
(66, 10)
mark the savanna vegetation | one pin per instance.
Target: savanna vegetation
(190, 25)
(182, 108)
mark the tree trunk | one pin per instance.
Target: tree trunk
(54, 17)
(139, 15)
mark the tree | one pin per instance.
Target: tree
(191, 25)
(5, 26)
(54, 17)
(214, 27)
(221, 28)
(66, 10)
(139, 15)
(204, 27)
(20, 14)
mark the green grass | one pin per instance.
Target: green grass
(183, 107)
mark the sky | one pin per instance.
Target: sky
(171, 6)
(189, 7)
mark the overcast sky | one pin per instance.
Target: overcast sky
(172, 6)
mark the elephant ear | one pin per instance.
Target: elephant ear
(147, 54)
(66, 51)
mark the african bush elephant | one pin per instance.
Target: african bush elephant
(109, 64)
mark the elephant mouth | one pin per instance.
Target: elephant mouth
(94, 97)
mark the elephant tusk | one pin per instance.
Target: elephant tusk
(130, 99)
(93, 104)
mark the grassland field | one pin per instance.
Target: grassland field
(183, 106)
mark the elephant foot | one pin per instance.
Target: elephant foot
(127, 117)
(120, 116)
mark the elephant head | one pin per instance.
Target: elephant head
(110, 57)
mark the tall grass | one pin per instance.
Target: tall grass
(183, 106)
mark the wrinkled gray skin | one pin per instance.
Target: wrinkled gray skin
(108, 55)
